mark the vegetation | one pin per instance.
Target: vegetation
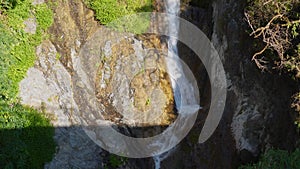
(277, 159)
(18, 47)
(109, 10)
(115, 161)
(276, 25)
(111, 13)
(25, 135)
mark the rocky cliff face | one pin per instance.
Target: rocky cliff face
(257, 113)
(48, 85)
(262, 99)
(251, 120)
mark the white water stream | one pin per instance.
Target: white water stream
(173, 65)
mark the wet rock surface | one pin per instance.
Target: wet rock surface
(258, 104)
(254, 118)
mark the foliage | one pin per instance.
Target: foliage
(276, 23)
(44, 16)
(296, 106)
(116, 161)
(135, 23)
(6, 4)
(107, 11)
(6, 41)
(17, 46)
(25, 135)
(277, 159)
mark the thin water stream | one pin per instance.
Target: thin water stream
(173, 64)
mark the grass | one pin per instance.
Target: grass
(26, 136)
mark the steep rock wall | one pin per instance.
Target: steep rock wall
(257, 113)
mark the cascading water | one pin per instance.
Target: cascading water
(173, 65)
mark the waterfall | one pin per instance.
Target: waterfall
(173, 64)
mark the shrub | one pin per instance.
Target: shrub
(25, 135)
(135, 23)
(115, 161)
(18, 47)
(276, 24)
(6, 41)
(108, 10)
(44, 16)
